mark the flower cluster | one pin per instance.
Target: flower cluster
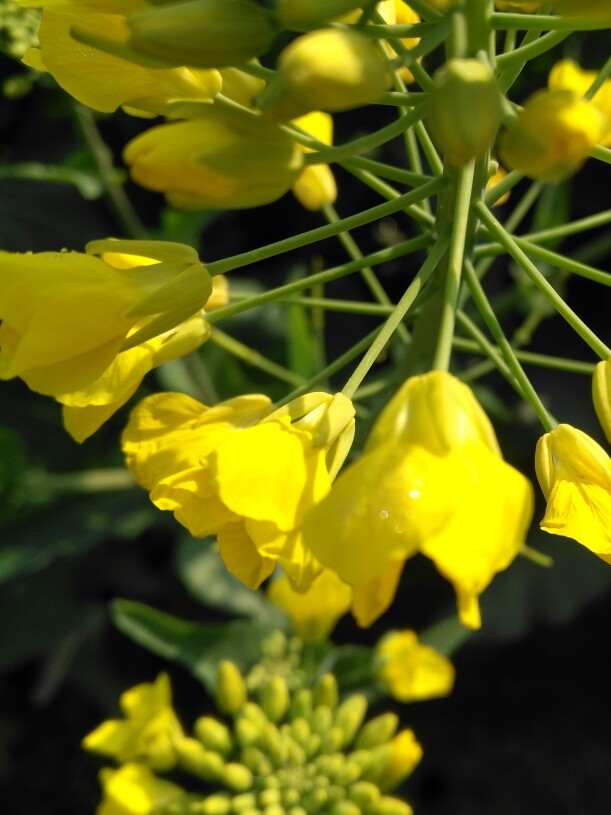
(295, 752)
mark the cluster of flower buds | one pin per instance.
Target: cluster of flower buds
(301, 753)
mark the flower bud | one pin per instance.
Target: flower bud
(328, 69)
(326, 691)
(217, 804)
(237, 777)
(377, 731)
(304, 14)
(350, 714)
(213, 735)
(552, 136)
(601, 395)
(275, 699)
(221, 160)
(464, 110)
(202, 33)
(198, 761)
(387, 805)
(230, 691)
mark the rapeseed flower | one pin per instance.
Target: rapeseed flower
(134, 790)
(149, 732)
(431, 480)
(316, 185)
(575, 475)
(222, 159)
(410, 671)
(85, 328)
(567, 75)
(102, 80)
(242, 471)
(553, 135)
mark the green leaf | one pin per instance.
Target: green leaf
(198, 646)
(351, 665)
(206, 578)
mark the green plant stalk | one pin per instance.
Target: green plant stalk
(498, 232)
(527, 390)
(327, 231)
(573, 366)
(278, 293)
(502, 21)
(254, 358)
(401, 309)
(552, 234)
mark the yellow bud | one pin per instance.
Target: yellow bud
(242, 804)
(213, 735)
(350, 714)
(345, 808)
(552, 136)
(326, 692)
(304, 14)
(601, 395)
(237, 777)
(390, 806)
(377, 731)
(363, 793)
(220, 160)
(301, 704)
(198, 761)
(230, 692)
(202, 33)
(328, 69)
(464, 110)
(275, 699)
(217, 804)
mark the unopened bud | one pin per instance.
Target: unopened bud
(243, 804)
(304, 14)
(377, 731)
(464, 110)
(237, 777)
(195, 759)
(345, 808)
(216, 804)
(213, 735)
(363, 793)
(301, 704)
(202, 33)
(349, 716)
(326, 692)
(230, 692)
(390, 806)
(257, 761)
(275, 699)
(328, 69)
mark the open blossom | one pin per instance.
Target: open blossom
(431, 480)
(133, 789)
(149, 732)
(575, 475)
(242, 471)
(567, 75)
(410, 671)
(85, 328)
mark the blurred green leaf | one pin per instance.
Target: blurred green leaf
(351, 664)
(198, 646)
(87, 183)
(207, 579)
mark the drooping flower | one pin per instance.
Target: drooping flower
(553, 135)
(149, 732)
(104, 81)
(220, 159)
(316, 186)
(575, 475)
(431, 480)
(242, 472)
(314, 612)
(85, 328)
(410, 671)
(134, 790)
(567, 75)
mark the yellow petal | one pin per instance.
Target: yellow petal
(241, 556)
(411, 671)
(372, 599)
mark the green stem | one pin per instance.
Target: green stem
(254, 358)
(278, 293)
(394, 320)
(506, 240)
(539, 22)
(460, 228)
(573, 366)
(506, 63)
(485, 309)
(328, 231)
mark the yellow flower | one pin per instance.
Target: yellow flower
(223, 159)
(575, 475)
(85, 329)
(601, 395)
(410, 671)
(328, 69)
(149, 732)
(431, 480)
(316, 186)
(134, 790)
(567, 75)
(396, 12)
(104, 81)
(553, 135)
(314, 612)
(242, 472)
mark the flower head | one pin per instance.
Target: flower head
(149, 732)
(575, 475)
(134, 790)
(85, 328)
(410, 671)
(431, 480)
(567, 75)
(242, 472)
(316, 186)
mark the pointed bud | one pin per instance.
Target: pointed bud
(257, 761)
(390, 806)
(213, 735)
(464, 85)
(326, 692)
(301, 704)
(349, 716)
(377, 731)
(198, 761)
(216, 804)
(275, 699)
(230, 692)
(363, 793)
